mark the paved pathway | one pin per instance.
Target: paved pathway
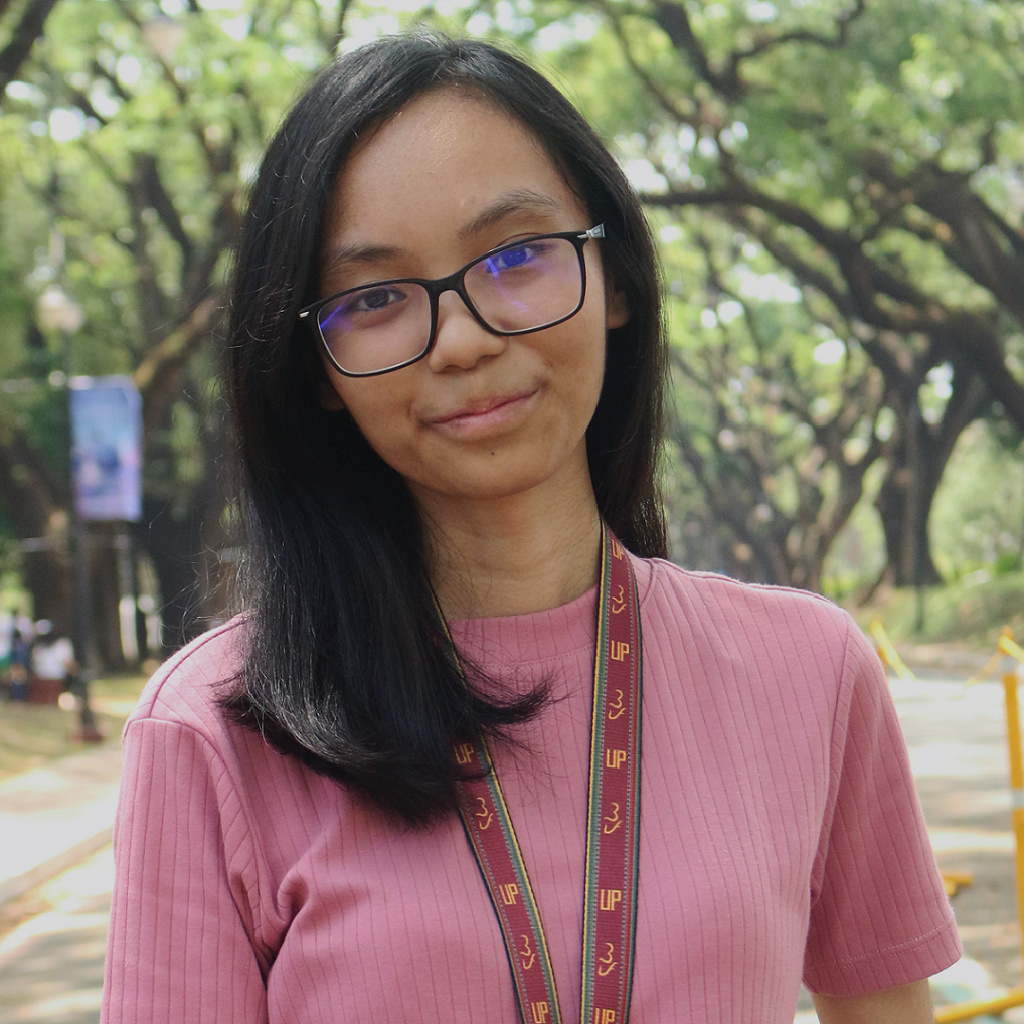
(51, 965)
(50, 818)
(56, 868)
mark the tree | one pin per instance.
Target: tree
(778, 421)
(978, 525)
(131, 136)
(25, 24)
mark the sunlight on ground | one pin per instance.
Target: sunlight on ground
(60, 949)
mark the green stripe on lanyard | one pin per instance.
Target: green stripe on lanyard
(613, 820)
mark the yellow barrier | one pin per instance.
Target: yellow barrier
(954, 881)
(1015, 997)
(886, 651)
(975, 1008)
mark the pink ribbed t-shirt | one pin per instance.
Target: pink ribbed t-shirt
(780, 838)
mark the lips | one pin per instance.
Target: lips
(481, 408)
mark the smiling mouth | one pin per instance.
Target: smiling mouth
(484, 407)
(486, 413)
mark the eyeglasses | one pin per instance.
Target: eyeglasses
(525, 286)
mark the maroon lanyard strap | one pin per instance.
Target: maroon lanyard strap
(489, 828)
(610, 887)
(613, 818)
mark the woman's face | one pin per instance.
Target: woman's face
(481, 416)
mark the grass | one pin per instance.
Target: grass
(33, 734)
(968, 613)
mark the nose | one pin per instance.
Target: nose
(461, 341)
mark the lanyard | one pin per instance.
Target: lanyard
(613, 819)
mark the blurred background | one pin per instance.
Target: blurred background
(837, 187)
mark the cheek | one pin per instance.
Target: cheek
(370, 416)
(591, 358)
(378, 410)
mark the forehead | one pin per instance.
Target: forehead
(440, 163)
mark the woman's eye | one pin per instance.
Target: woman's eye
(512, 259)
(371, 300)
(515, 257)
(360, 310)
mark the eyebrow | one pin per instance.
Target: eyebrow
(518, 201)
(514, 202)
(344, 255)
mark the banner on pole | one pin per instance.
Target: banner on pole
(106, 447)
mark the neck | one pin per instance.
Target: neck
(510, 557)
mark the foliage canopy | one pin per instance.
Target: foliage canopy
(837, 185)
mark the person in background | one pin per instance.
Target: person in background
(21, 658)
(6, 638)
(53, 664)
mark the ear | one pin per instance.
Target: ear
(616, 308)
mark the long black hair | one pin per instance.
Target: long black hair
(346, 663)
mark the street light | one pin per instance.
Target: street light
(57, 311)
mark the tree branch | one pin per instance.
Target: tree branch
(674, 21)
(33, 498)
(166, 361)
(670, 106)
(339, 28)
(29, 28)
(85, 105)
(151, 186)
(768, 42)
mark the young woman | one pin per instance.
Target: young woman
(406, 784)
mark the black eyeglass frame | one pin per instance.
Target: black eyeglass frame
(455, 283)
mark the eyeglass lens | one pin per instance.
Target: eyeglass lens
(520, 288)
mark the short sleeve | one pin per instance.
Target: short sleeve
(879, 917)
(179, 951)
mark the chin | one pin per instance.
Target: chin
(497, 483)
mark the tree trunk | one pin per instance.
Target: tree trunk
(904, 523)
(916, 464)
(47, 575)
(105, 595)
(171, 540)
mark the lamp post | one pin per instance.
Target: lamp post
(57, 311)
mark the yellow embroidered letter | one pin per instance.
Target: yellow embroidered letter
(610, 898)
(614, 758)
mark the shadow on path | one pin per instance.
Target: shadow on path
(52, 963)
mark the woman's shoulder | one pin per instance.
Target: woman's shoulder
(667, 581)
(187, 688)
(753, 621)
